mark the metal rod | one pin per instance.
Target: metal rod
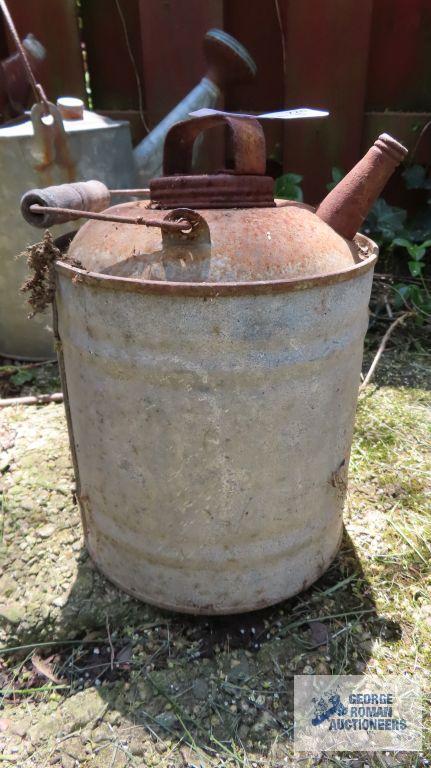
(38, 91)
(183, 225)
(129, 191)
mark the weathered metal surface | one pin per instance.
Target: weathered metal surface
(211, 423)
(220, 191)
(207, 432)
(347, 205)
(99, 147)
(246, 137)
(283, 242)
(243, 186)
(226, 60)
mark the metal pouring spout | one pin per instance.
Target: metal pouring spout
(348, 204)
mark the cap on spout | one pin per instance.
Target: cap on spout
(347, 205)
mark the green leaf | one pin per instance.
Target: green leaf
(384, 221)
(418, 252)
(22, 377)
(402, 294)
(416, 268)
(416, 295)
(288, 187)
(336, 174)
(415, 177)
(402, 242)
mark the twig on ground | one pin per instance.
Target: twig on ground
(54, 397)
(381, 348)
(110, 643)
(11, 369)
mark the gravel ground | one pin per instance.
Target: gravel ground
(91, 677)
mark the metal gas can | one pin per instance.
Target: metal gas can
(211, 376)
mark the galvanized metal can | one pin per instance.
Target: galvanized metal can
(33, 154)
(211, 373)
(212, 432)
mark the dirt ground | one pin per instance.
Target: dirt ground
(91, 677)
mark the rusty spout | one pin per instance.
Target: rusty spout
(347, 205)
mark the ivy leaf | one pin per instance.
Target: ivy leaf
(22, 377)
(402, 241)
(385, 221)
(288, 187)
(415, 177)
(415, 268)
(402, 294)
(337, 174)
(417, 252)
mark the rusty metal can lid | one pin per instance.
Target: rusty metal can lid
(222, 190)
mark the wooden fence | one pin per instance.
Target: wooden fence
(368, 62)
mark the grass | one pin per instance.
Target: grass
(167, 690)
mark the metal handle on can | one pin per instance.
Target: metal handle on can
(246, 136)
(43, 208)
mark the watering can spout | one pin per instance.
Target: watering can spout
(347, 205)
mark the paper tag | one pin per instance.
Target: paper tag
(285, 114)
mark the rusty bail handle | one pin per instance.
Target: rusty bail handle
(246, 137)
(72, 214)
(37, 88)
(60, 204)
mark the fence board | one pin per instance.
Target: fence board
(173, 61)
(110, 28)
(55, 24)
(260, 32)
(327, 50)
(400, 62)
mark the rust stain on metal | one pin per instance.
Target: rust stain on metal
(51, 144)
(212, 191)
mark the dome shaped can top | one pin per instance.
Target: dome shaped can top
(236, 233)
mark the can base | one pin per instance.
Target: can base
(196, 610)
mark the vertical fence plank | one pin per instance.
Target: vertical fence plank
(399, 74)
(258, 29)
(327, 44)
(55, 24)
(110, 28)
(111, 32)
(173, 61)
(260, 33)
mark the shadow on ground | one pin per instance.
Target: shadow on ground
(223, 683)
